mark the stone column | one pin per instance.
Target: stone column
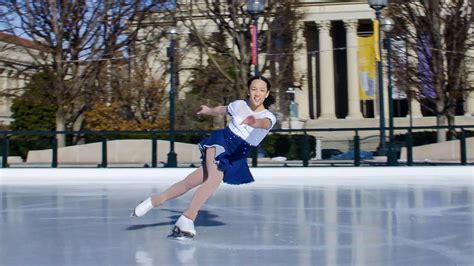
(3, 87)
(415, 108)
(415, 104)
(352, 69)
(315, 73)
(326, 71)
(469, 104)
(301, 73)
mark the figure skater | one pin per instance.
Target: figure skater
(223, 154)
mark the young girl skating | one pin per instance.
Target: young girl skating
(223, 154)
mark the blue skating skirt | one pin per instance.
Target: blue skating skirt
(231, 155)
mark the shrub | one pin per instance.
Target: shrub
(290, 146)
(34, 110)
(424, 137)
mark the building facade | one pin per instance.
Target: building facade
(17, 63)
(328, 63)
(330, 94)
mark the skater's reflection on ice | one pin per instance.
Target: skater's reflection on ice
(143, 258)
(185, 253)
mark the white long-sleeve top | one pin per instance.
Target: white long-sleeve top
(239, 110)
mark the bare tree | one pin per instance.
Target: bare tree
(438, 35)
(83, 39)
(142, 96)
(220, 30)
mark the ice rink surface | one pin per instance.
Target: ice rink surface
(309, 222)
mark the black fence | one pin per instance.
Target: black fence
(304, 149)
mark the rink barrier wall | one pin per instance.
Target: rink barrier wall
(461, 156)
(300, 176)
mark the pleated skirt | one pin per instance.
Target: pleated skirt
(231, 155)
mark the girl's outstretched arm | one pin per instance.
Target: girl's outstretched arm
(257, 122)
(215, 111)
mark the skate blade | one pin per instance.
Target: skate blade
(181, 238)
(177, 234)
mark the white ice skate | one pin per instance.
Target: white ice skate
(142, 208)
(183, 229)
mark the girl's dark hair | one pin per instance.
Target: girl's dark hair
(270, 99)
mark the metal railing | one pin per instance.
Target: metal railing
(105, 136)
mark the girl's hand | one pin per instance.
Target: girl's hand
(204, 110)
(250, 120)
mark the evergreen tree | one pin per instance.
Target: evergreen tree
(34, 110)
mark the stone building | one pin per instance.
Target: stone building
(17, 63)
(329, 95)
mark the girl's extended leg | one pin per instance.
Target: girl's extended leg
(207, 188)
(192, 180)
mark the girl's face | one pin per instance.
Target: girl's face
(258, 91)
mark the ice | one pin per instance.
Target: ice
(301, 224)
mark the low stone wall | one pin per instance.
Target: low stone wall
(445, 151)
(118, 151)
(13, 159)
(266, 177)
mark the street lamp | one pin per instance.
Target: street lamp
(255, 8)
(387, 26)
(172, 161)
(291, 105)
(378, 5)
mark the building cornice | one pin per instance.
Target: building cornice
(12, 39)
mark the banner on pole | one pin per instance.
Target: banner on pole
(376, 40)
(366, 68)
(424, 69)
(253, 30)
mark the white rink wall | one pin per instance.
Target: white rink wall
(281, 176)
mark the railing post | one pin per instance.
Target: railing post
(104, 152)
(305, 149)
(6, 143)
(54, 146)
(153, 150)
(254, 157)
(356, 149)
(409, 143)
(462, 141)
